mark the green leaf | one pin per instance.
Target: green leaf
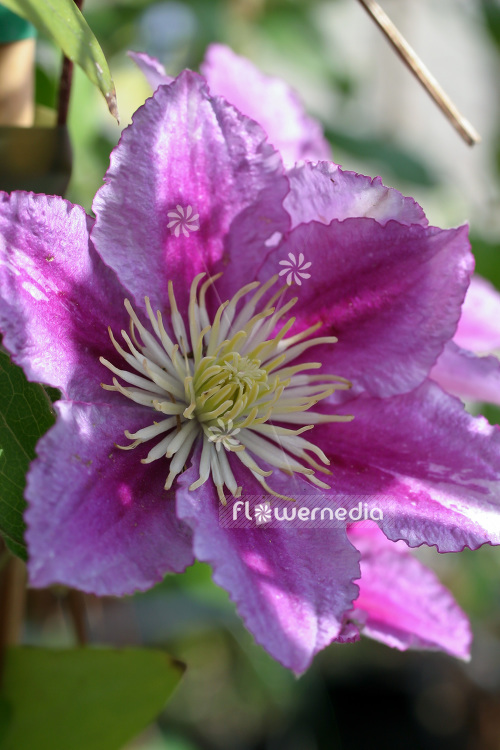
(5, 717)
(83, 698)
(62, 22)
(25, 414)
(491, 14)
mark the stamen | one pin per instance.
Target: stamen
(221, 382)
(299, 349)
(248, 310)
(231, 308)
(204, 466)
(150, 432)
(129, 377)
(177, 322)
(159, 450)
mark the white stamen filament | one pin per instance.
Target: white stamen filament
(226, 383)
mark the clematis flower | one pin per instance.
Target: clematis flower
(190, 374)
(401, 602)
(238, 80)
(298, 137)
(459, 370)
(263, 98)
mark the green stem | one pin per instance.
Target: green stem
(65, 84)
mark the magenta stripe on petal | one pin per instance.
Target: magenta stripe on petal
(98, 519)
(57, 298)
(431, 467)
(187, 151)
(390, 293)
(291, 586)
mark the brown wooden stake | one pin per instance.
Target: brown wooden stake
(421, 72)
(12, 605)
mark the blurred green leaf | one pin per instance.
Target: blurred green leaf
(401, 163)
(45, 87)
(5, 717)
(487, 255)
(25, 414)
(491, 412)
(83, 698)
(491, 14)
(62, 22)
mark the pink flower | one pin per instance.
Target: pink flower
(386, 287)
(459, 370)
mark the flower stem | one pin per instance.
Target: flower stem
(76, 606)
(65, 84)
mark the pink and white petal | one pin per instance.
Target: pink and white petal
(403, 602)
(269, 101)
(390, 294)
(153, 70)
(187, 149)
(432, 468)
(323, 192)
(98, 519)
(291, 586)
(57, 298)
(479, 327)
(468, 376)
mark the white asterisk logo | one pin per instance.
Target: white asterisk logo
(183, 220)
(295, 269)
(224, 435)
(262, 513)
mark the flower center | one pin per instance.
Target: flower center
(229, 383)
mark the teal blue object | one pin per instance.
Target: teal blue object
(13, 28)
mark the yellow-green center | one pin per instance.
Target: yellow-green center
(229, 383)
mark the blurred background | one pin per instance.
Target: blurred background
(379, 122)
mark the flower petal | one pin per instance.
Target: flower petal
(269, 101)
(430, 466)
(152, 68)
(403, 602)
(57, 297)
(98, 519)
(391, 294)
(479, 327)
(324, 191)
(187, 149)
(468, 376)
(291, 586)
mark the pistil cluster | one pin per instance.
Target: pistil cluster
(229, 383)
